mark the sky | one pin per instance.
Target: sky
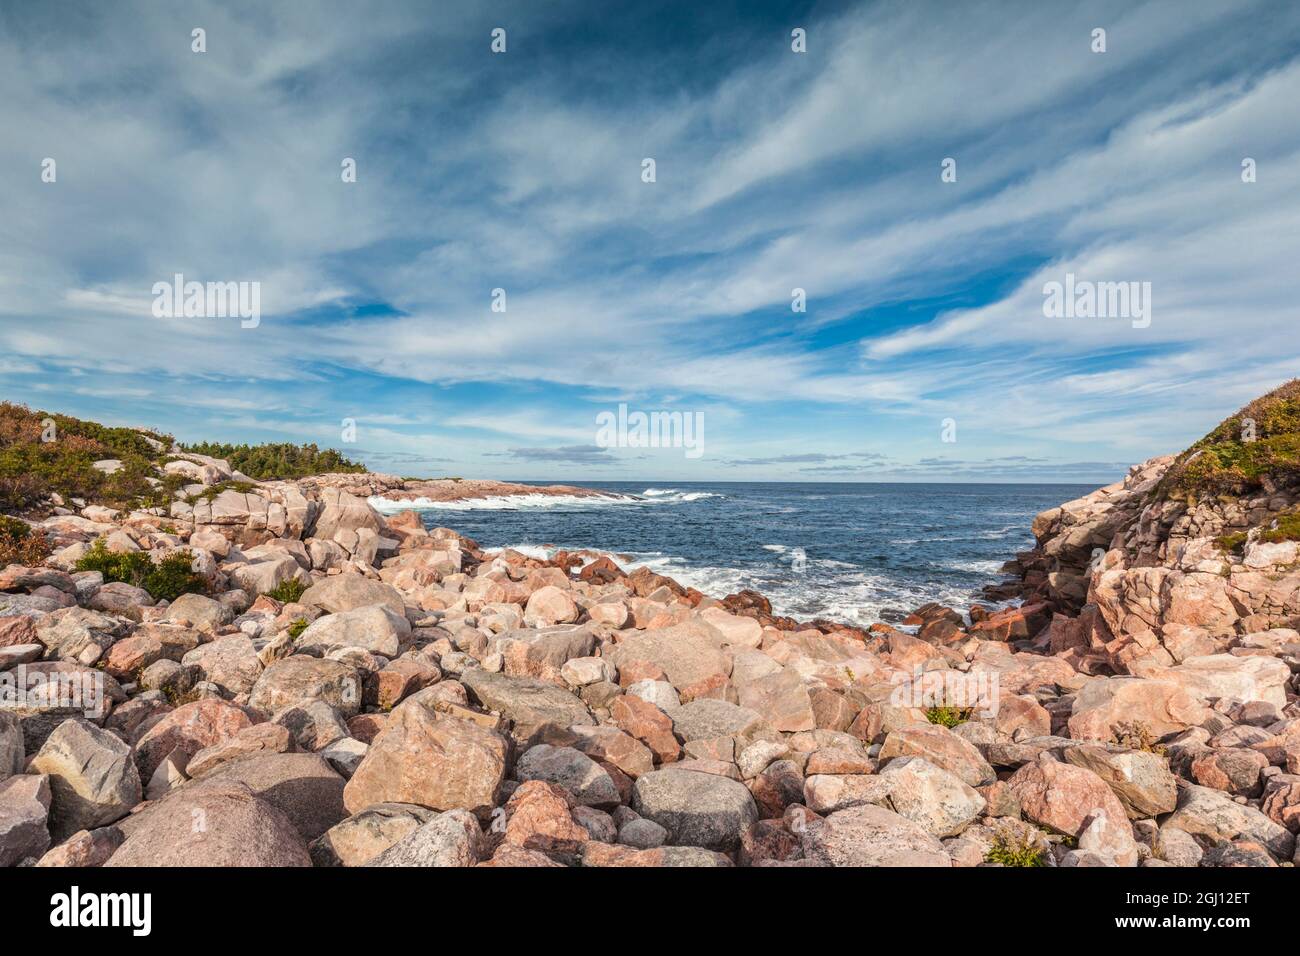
(924, 351)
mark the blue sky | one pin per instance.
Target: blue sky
(775, 170)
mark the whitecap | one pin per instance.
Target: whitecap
(499, 503)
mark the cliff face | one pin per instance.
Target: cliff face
(1188, 555)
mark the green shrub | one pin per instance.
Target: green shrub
(1287, 529)
(287, 591)
(210, 493)
(173, 576)
(165, 580)
(1231, 543)
(1014, 853)
(278, 460)
(948, 716)
(297, 627)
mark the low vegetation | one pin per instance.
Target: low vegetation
(1285, 527)
(281, 460)
(20, 544)
(948, 716)
(45, 453)
(1010, 852)
(165, 580)
(1258, 445)
(1231, 543)
(211, 492)
(287, 592)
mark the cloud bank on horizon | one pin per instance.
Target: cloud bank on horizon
(775, 170)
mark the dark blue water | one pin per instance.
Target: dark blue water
(870, 552)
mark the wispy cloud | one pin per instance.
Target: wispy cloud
(776, 171)
(569, 454)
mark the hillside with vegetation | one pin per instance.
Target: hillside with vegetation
(1257, 449)
(278, 460)
(44, 453)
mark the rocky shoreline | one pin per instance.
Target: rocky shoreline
(390, 490)
(354, 689)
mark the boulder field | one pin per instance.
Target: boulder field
(417, 701)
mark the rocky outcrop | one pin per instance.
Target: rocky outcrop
(1189, 555)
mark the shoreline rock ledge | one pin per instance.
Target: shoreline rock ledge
(355, 689)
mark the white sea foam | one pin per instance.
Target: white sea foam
(537, 551)
(829, 589)
(653, 496)
(500, 503)
(538, 501)
(978, 567)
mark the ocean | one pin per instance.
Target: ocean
(857, 553)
